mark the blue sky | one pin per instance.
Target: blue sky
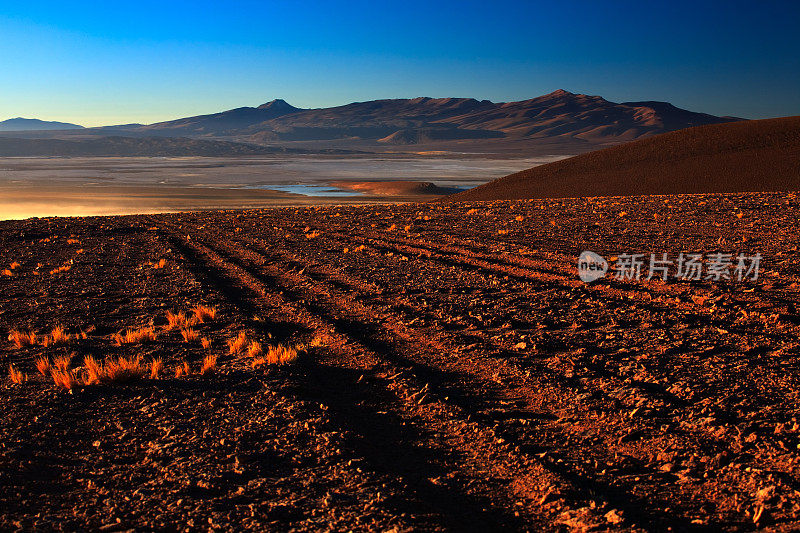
(100, 63)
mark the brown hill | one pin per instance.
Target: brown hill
(757, 155)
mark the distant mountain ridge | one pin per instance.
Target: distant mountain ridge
(560, 114)
(34, 124)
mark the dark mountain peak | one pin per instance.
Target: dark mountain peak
(558, 93)
(278, 105)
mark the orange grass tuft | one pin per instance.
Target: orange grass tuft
(255, 349)
(258, 361)
(7, 272)
(189, 335)
(57, 336)
(124, 369)
(156, 368)
(17, 377)
(14, 265)
(281, 355)
(205, 343)
(236, 345)
(209, 364)
(63, 378)
(73, 241)
(94, 370)
(62, 362)
(179, 321)
(21, 339)
(43, 365)
(203, 313)
(61, 269)
(182, 370)
(135, 336)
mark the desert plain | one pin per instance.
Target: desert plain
(445, 369)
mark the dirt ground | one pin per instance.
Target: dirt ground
(454, 372)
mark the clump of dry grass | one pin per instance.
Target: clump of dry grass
(161, 264)
(279, 355)
(135, 336)
(276, 355)
(73, 241)
(255, 349)
(21, 339)
(14, 265)
(17, 377)
(94, 370)
(205, 343)
(182, 370)
(313, 234)
(62, 362)
(124, 369)
(60, 269)
(57, 336)
(203, 313)
(179, 321)
(64, 378)
(43, 365)
(115, 370)
(189, 335)
(7, 272)
(209, 364)
(156, 368)
(237, 344)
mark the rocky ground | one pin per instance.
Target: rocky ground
(454, 372)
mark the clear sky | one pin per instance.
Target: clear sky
(111, 62)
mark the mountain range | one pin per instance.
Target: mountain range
(419, 120)
(34, 124)
(560, 122)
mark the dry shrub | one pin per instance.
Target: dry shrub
(203, 313)
(135, 336)
(21, 339)
(209, 364)
(63, 378)
(73, 241)
(182, 370)
(14, 265)
(7, 272)
(156, 368)
(255, 349)
(189, 335)
(312, 235)
(205, 343)
(17, 377)
(43, 365)
(237, 345)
